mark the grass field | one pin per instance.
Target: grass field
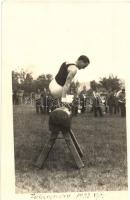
(103, 141)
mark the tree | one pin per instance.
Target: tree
(49, 77)
(15, 80)
(41, 77)
(22, 76)
(44, 80)
(112, 83)
(27, 83)
(94, 85)
(22, 80)
(28, 78)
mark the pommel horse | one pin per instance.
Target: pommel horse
(60, 122)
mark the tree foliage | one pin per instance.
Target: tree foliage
(94, 85)
(24, 81)
(111, 83)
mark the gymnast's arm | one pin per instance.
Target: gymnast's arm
(72, 72)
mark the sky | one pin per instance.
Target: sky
(39, 36)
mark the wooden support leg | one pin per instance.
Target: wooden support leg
(76, 143)
(46, 150)
(73, 149)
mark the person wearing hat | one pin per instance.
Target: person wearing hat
(122, 102)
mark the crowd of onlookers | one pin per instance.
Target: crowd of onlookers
(100, 103)
(112, 102)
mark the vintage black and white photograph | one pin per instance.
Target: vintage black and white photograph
(68, 65)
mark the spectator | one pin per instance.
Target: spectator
(122, 102)
(111, 101)
(20, 96)
(75, 105)
(117, 103)
(83, 98)
(97, 104)
(48, 102)
(104, 101)
(15, 98)
(38, 100)
(43, 101)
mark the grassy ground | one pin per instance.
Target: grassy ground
(103, 141)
